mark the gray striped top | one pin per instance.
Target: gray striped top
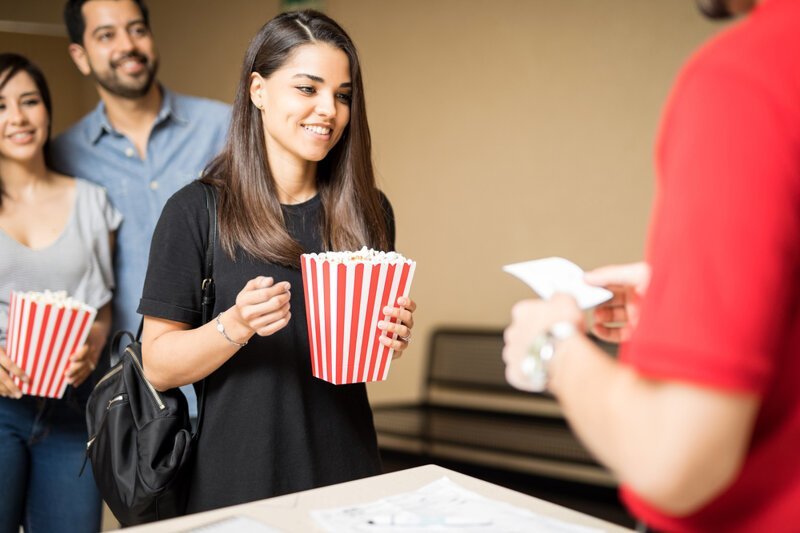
(79, 261)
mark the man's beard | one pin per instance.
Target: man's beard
(714, 9)
(136, 88)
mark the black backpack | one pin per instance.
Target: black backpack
(140, 440)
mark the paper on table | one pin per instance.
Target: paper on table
(439, 506)
(556, 274)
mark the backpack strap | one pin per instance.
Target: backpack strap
(118, 340)
(207, 287)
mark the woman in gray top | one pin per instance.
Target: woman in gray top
(56, 233)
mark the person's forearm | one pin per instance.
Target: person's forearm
(660, 440)
(102, 322)
(588, 385)
(175, 358)
(98, 333)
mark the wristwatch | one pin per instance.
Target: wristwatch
(542, 351)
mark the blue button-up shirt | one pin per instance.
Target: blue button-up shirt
(187, 133)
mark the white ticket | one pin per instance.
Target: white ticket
(556, 274)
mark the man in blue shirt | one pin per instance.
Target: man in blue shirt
(142, 142)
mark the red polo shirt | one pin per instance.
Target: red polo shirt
(723, 306)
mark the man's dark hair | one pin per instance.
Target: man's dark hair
(714, 9)
(73, 18)
(724, 9)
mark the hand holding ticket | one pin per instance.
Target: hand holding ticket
(556, 274)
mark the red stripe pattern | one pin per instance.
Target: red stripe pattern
(42, 335)
(344, 302)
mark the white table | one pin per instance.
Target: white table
(291, 512)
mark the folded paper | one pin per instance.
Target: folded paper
(556, 274)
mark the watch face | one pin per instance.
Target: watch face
(535, 364)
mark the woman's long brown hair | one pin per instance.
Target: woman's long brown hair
(250, 215)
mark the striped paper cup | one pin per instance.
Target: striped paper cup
(44, 329)
(345, 295)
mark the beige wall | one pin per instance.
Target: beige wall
(511, 130)
(503, 131)
(71, 97)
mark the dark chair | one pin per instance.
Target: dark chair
(470, 414)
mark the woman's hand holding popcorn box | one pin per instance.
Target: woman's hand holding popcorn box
(46, 333)
(358, 312)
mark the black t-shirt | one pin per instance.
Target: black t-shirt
(269, 426)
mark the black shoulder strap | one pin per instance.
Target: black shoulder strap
(207, 288)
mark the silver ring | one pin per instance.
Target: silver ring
(404, 339)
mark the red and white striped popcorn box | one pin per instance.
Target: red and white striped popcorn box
(44, 329)
(345, 295)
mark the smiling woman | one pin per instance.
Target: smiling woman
(56, 234)
(295, 176)
(304, 114)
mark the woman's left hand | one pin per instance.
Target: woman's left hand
(404, 313)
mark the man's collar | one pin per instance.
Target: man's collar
(99, 123)
(170, 108)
